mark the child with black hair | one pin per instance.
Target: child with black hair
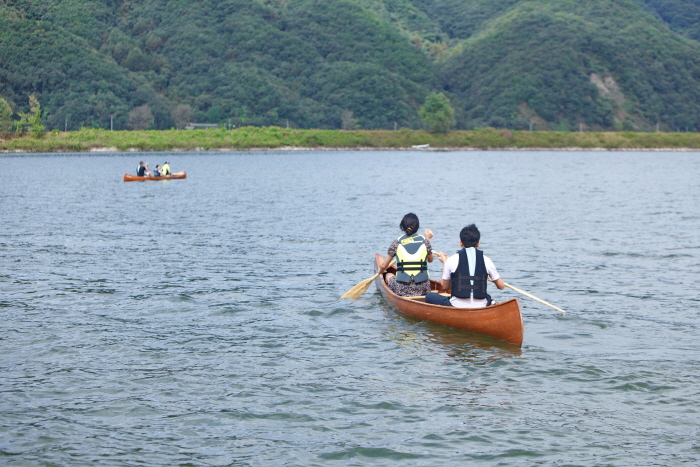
(467, 274)
(413, 253)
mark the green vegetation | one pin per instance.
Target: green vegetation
(5, 116)
(275, 137)
(561, 64)
(353, 64)
(682, 16)
(437, 113)
(31, 119)
(296, 63)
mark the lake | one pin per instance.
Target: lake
(198, 321)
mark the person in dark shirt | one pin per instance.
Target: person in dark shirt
(156, 171)
(142, 170)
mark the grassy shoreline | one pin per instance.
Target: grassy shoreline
(252, 138)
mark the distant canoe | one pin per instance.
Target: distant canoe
(420, 146)
(136, 178)
(503, 321)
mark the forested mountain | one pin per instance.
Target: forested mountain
(556, 64)
(682, 16)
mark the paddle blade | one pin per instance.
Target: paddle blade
(359, 289)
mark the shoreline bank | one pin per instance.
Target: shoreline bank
(110, 150)
(280, 139)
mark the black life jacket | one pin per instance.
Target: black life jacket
(411, 259)
(462, 281)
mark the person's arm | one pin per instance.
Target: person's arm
(493, 272)
(390, 254)
(428, 235)
(499, 283)
(445, 283)
(385, 263)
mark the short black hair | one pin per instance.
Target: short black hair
(470, 236)
(410, 224)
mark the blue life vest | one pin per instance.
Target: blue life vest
(463, 283)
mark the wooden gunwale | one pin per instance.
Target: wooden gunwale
(503, 321)
(136, 178)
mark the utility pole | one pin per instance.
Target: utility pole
(65, 125)
(394, 126)
(287, 123)
(111, 123)
(530, 125)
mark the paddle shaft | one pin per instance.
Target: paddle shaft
(533, 297)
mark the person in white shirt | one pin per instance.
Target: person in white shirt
(466, 274)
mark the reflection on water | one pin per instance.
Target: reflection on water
(472, 348)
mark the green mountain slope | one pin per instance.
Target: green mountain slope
(682, 16)
(562, 64)
(554, 64)
(63, 70)
(301, 64)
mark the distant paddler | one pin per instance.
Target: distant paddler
(165, 170)
(142, 170)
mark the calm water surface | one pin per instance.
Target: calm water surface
(197, 322)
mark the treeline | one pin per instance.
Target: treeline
(556, 65)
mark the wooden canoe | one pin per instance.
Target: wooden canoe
(503, 321)
(136, 178)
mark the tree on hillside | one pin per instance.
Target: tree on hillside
(348, 120)
(182, 114)
(31, 119)
(140, 118)
(437, 113)
(5, 116)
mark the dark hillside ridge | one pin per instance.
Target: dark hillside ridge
(599, 65)
(682, 16)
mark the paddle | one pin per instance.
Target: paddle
(362, 287)
(533, 297)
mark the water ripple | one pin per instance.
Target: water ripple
(197, 322)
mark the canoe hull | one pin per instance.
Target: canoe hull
(136, 178)
(503, 321)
